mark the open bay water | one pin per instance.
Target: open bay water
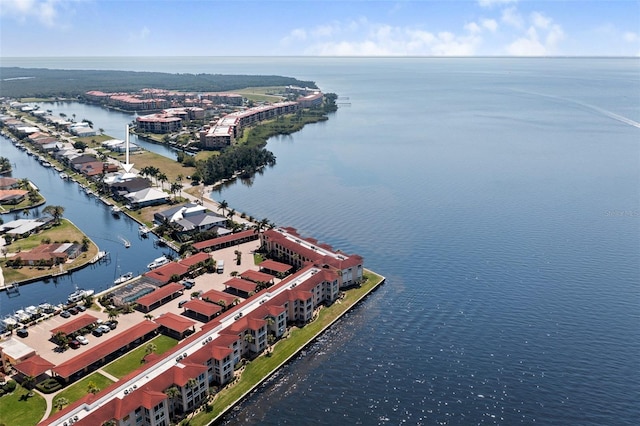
(500, 198)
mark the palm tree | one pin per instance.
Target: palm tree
(248, 337)
(222, 205)
(151, 347)
(113, 314)
(162, 178)
(92, 387)
(28, 383)
(55, 211)
(59, 403)
(85, 243)
(172, 393)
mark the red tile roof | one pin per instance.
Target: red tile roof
(34, 366)
(175, 322)
(77, 363)
(215, 296)
(195, 259)
(240, 284)
(222, 240)
(202, 307)
(256, 276)
(164, 273)
(272, 265)
(159, 294)
(75, 324)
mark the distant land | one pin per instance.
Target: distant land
(43, 83)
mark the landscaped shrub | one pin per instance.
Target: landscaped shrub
(49, 386)
(10, 386)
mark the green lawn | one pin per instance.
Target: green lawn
(258, 369)
(79, 388)
(131, 361)
(21, 412)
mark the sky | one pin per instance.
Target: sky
(63, 28)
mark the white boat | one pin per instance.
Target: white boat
(21, 315)
(9, 321)
(143, 230)
(115, 210)
(64, 175)
(157, 262)
(47, 308)
(78, 295)
(123, 278)
(31, 310)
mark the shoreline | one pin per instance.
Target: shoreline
(379, 280)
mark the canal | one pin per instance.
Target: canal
(88, 213)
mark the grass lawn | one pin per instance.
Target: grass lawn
(17, 410)
(259, 368)
(79, 389)
(168, 166)
(131, 361)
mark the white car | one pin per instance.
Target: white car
(82, 340)
(104, 328)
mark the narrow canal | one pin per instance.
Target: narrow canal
(90, 214)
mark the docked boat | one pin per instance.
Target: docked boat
(78, 295)
(21, 316)
(63, 175)
(115, 210)
(9, 321)
(157, 262)
(123, 278)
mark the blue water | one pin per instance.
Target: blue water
(500, 198)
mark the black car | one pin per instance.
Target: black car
(97, 332)
(22, 332)
(81, 308)
(111, 324)
(73, 310)
(74, 344)
(65, 314)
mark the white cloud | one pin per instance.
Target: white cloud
(363, 38)
(540, 39)
(140, 35)
(491, 3)
(511, 17)
(44, 11)
(489, 24)
(631, 37)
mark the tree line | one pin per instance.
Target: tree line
(44, 83)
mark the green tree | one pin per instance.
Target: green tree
(172, 393)
(92, 387)
(222, 205)
(55, 211)
(60, 403)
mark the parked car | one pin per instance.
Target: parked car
(83, 340)
(22, 332)
(97, 332)
(181, 303)
(74, 344)
(111, 324)
(65, 314)
(73, 310)
(188, 284)
(104, 328)
(81, 308)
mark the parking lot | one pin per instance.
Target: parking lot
(39, 337)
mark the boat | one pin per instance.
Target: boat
(143, 230)
(21, 316)
(47, 308)
(157, 262)
(123, 278)
(115, 210)
(64, 175)
(9, 321)
(78, 295)
(31, 310)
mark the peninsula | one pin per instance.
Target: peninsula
(200, 359)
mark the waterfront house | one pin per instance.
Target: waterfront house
(147, 197)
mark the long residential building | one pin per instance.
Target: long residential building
(230, 127)
(208, 357)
